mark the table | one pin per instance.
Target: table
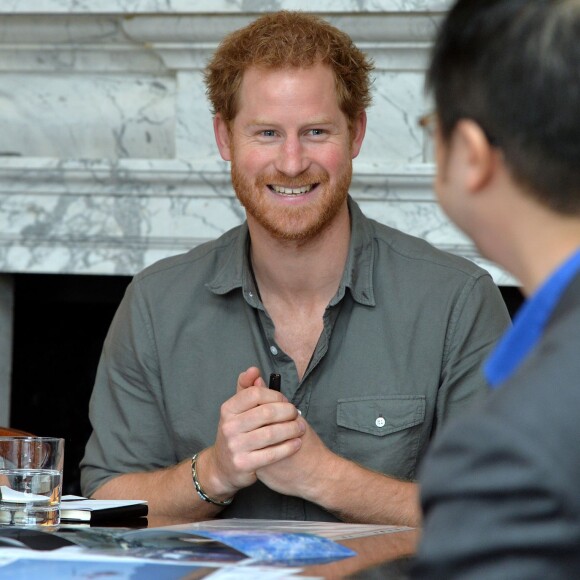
(373, 554)
(381, 556)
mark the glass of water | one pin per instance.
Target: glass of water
(30, 481)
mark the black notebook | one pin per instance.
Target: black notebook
(75, 509)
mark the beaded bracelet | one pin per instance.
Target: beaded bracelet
(199, 489)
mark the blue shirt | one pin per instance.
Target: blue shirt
(529, 324)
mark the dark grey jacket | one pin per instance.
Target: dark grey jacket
(501, 486)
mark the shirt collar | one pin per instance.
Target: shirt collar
(529, 324)
(235, 270)
(358, 270)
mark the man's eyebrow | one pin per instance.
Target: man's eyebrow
(323, 121)
(265, 122)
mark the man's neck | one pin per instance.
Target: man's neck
(296, 272)
(538, 242)
(541, 260)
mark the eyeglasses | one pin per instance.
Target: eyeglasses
(428, 123)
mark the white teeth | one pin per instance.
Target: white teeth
(291, 191)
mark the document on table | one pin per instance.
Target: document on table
(76, 564)
(197, 544)
(75, 508)
(192, 544)
(331, 530)
(226, 549)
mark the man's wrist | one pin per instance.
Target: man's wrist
(323, 481)
(201, 490)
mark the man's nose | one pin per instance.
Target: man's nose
(292, 157)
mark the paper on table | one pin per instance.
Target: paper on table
(65, 564)
(280, 547)
(70, 563)
(331, 530)
(79, 509)
(98, 504)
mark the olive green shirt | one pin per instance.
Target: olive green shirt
(400, 353)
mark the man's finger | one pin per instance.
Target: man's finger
(248, 379)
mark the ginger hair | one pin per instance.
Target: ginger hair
(288, 39)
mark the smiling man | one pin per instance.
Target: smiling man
(378, 337)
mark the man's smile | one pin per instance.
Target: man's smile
(292, 190)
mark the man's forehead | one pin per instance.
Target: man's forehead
(260, 69)
(273, 78)
(252, 102)
(261, 89)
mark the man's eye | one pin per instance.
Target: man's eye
(268, 133)
(316, 132)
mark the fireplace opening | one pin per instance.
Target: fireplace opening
(60, 323)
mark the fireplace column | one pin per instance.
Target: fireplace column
(6, 309)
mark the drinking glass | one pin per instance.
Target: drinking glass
(30, 481)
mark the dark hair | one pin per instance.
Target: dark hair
(513, 66)
(287, 39)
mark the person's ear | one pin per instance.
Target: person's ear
(480, 158)
(358, 133)
(222, 137)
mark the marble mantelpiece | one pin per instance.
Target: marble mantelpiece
(98, 216)
(107, 158)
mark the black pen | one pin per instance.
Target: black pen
(275, 384)
(275, 381)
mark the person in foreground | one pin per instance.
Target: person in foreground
(500, 486)
(378, 337)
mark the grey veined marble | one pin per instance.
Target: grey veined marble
(90, 117)
(210, 6)
(107, 154)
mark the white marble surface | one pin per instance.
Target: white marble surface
(107, 157)
(116, 217)
(212, 6)
(97, 116)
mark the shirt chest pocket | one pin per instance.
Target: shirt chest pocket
(382, 433)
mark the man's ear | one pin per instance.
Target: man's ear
(480, 158)
(358, 133)
(222, 137)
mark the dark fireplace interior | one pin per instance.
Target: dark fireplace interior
(60, 322)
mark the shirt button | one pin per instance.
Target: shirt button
(274, 350)
(251, 294)
(380, 422)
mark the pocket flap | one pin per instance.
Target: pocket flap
(381, 415)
